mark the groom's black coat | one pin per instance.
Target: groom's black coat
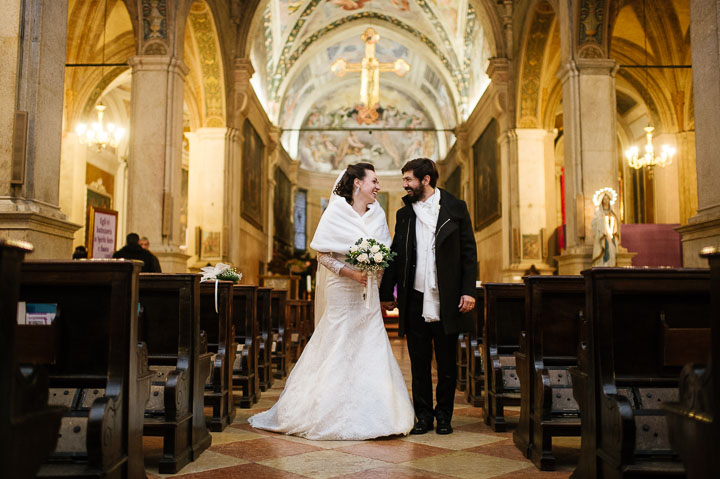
(455, 257)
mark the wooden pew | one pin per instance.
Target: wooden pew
(100, 372)
(461, 361)
(475, 369)
(264, 354)
(640, 327)
(694, 422)
(279, 350)
(548, 348)
(170, 327)
(245, 369)
(504, 313)
(219, 330)
(28, 425)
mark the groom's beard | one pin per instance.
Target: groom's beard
(414, 194)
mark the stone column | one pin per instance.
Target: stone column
(667, 189)
(590, 152)
(155, 160)
(703, 229)
(206, 190)
(32, 75)
(529, 209)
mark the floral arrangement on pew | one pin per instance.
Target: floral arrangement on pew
(370, 256)
(219, 272)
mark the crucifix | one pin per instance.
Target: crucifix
(370, 69)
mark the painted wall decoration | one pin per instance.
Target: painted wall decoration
(487, 177)
(211, 247)
(454, 183)
(252, 161)
(281, 207)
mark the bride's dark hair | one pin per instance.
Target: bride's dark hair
(346, 185)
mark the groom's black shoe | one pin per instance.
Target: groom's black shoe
(443, 427)
(421, 427)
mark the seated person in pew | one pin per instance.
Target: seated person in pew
(133, 250)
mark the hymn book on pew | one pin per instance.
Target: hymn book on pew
(42, 314)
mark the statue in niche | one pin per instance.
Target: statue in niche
(605, 228)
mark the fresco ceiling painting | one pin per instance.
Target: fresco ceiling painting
(325, 125)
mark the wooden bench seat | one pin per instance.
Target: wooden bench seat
(100, 373)
(219, 329)
(279, 326)
(475, 368)
(180, 362)
(28, 425)
(504, 313)
(640, 327)
(548, 348)
(245, 369)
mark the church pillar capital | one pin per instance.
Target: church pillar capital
(589, 110)
(157, 63)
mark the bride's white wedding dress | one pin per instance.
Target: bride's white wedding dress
(347, 384)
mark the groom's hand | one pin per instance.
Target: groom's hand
(387, 305)
(467, 303)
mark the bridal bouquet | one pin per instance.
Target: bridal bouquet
(370, 256)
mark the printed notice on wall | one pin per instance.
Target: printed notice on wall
(103, 227)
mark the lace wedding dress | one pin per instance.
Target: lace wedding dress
(347, 384)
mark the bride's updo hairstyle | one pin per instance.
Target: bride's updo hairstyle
(346, 185)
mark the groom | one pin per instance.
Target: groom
(434, 271)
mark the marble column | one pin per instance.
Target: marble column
(528, 209)
(703, 229)
(589, 112)
(73, 189)
(32, 75)
(155, 159)
(206, 192)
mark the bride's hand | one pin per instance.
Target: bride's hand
(360, 277)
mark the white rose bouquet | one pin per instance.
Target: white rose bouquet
(370, 256)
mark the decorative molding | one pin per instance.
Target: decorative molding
(155, 27)
(532, 66)
(206, 40)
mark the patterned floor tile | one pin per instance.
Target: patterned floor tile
(468, 465)
(258, 450)
(208, 461)
(456, 441)
(324, 464)
(394, 472)
(320, 444)
(395, 451)
(245, 471)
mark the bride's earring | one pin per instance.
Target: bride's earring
(357, 191)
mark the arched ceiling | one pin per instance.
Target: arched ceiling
(296, 42)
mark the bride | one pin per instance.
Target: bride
(346, 385)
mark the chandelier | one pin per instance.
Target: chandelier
(648, 159)
(98, 134)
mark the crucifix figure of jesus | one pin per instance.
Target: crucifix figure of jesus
(370, 69)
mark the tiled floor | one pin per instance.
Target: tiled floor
(473, 451)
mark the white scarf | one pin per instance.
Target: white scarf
(425, 226)
(339, 228)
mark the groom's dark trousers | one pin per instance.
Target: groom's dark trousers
(420, 339)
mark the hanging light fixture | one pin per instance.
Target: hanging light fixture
(98, 134)
(649, 159)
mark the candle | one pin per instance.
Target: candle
(309, 283)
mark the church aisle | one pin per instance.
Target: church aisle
(473, 451)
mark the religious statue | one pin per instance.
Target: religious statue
(605, 229)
